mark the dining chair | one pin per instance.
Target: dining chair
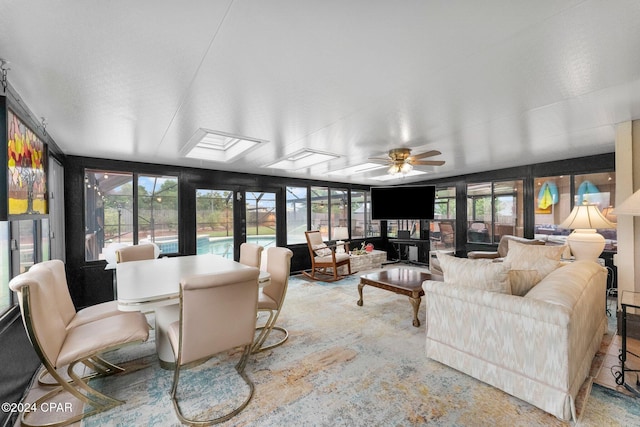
(271, 297)
(72, 318)
(135, 253)
(251, 254)
(58, 346)
(217, 314)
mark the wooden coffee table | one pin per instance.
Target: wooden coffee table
(404, 281)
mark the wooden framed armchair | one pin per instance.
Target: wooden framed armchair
(324, 257)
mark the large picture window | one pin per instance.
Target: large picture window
(214, 222)
(110, 211)
(320, 211)
(556, 195)
(442, 233)
(362, 226)
(494, 209)
(296, 214)
(158, 212)
(108, 217)
(261, 218)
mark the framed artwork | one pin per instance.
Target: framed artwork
(26, 169)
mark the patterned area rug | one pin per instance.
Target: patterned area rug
(343, 365)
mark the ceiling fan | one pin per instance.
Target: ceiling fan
(401, 160)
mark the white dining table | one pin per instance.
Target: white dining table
(154, 284)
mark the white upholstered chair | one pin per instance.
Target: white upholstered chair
(58, 345)
(217, 313)
(71, 318)
(251, 254)
(135, 253)
(271, 297)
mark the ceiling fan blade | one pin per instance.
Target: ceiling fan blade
(428, 162)
(426, 154)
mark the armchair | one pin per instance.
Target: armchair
(325, 257)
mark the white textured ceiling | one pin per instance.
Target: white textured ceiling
(490, 84)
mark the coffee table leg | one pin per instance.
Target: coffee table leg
(415, 302)
(360, 286)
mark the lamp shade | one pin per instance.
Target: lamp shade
(340, 233)
(586, 217)
(631, 206)
(585, 242)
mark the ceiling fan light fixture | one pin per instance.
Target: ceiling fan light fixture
(403, 168)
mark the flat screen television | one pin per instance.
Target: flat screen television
(403, 202)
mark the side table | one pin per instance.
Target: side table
(629, 299)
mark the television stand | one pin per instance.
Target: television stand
(400, 244)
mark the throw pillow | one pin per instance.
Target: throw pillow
(530, 264)
(476, 273)
(321, 250)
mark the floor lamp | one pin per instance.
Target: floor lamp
(585, 242)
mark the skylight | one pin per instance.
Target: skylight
(389, 177)
(354, 170)
(218, 146)
(302, 159)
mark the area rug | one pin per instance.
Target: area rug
(343, 365)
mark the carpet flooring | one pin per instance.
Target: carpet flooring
(343, 365)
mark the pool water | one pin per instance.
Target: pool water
(223, 246)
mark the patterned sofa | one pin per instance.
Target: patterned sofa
(536, 344)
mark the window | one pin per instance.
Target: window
(320, 210)
(261, 218)
(158, 212)
(508, 209)
(494, 209)
(552, 199)
(214, 222)
(599, 189)
(110, 207)
(362, 225)
(479, 212)
(339, 210)
(553, 203)
(108, 210)
(442, 229)
(296, 214)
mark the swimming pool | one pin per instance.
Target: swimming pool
(223, 246)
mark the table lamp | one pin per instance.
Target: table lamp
(631, 206)
(340, 234)
(585, 242)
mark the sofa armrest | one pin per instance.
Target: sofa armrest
(483, 255)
